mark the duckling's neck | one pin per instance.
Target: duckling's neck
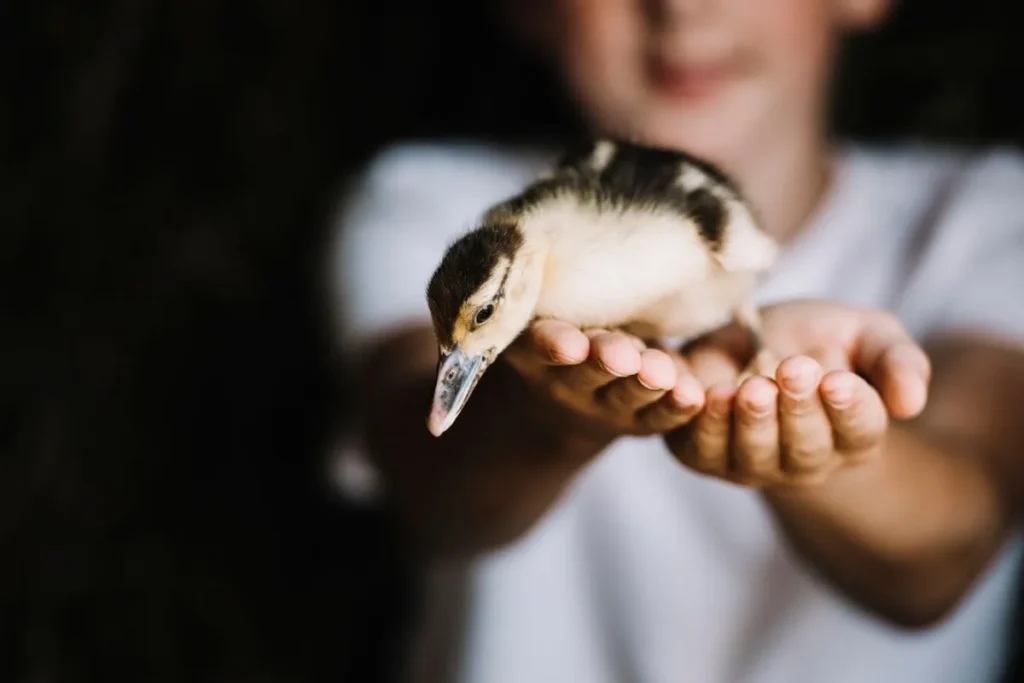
(530, 263)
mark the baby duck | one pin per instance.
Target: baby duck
(617, 235)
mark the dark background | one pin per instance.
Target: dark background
(167, 170)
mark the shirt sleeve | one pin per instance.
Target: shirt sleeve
(979, 255)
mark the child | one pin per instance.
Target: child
(793, 529)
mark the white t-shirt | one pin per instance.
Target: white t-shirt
(645, 571)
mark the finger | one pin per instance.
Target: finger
(639, 343)
(616, 353)
(707, 448)
(552, 342)
(902, 375)
(682, 366)
(712, 365)
(830, 357)
(734, 340)
(755, 453)
(858, 416)
(612, 355)
(657, 376)
(678, 407)
(805, 432)
(896, 365)
(764, 363)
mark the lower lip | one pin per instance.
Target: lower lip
(690, 83)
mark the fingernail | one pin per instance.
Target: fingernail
(685, 404)
(688, 395)
(645, 385)
(840, 391)
(610, 370)
(562, 358)
(759, 408)
(799, 377)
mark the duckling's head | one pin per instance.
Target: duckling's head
(481, 297)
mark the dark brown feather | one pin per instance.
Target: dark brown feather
(466, 265)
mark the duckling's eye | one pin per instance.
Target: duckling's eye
(484, 314)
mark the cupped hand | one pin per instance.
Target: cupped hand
(614, 382)
(845, 372)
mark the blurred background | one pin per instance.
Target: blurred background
(168, 174)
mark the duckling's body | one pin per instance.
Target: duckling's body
(618, 235)
(649, 274)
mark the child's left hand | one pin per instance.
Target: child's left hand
(818, 414)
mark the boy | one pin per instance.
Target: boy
(867, 486)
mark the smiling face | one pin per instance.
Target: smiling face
(481, 297)
(717, 78)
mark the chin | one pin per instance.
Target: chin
(709, 142)
(718, 136)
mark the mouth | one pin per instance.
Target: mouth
(457, 376)
(691, 80)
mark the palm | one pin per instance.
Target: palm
(809, 327)
(869, 342)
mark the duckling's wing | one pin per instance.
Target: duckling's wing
(630, 175)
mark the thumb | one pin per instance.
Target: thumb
(895, 364)
(718, 357)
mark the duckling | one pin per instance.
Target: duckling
(615, 235)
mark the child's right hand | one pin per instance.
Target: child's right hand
(554, 401)
(610, 381)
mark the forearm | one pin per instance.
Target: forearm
(904, 535)
(488, 478)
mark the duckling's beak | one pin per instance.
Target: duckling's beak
(457, 375)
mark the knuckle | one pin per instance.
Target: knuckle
(756, 460)
(705, 459)
(799, 408)
(853, 422)
(610, 403)
(617, 397)
(861, 456)
(804, 457)
(753, 420)
(565, 391)
(857, 442)
(714, 434)
(860, 426)
(872, 427)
